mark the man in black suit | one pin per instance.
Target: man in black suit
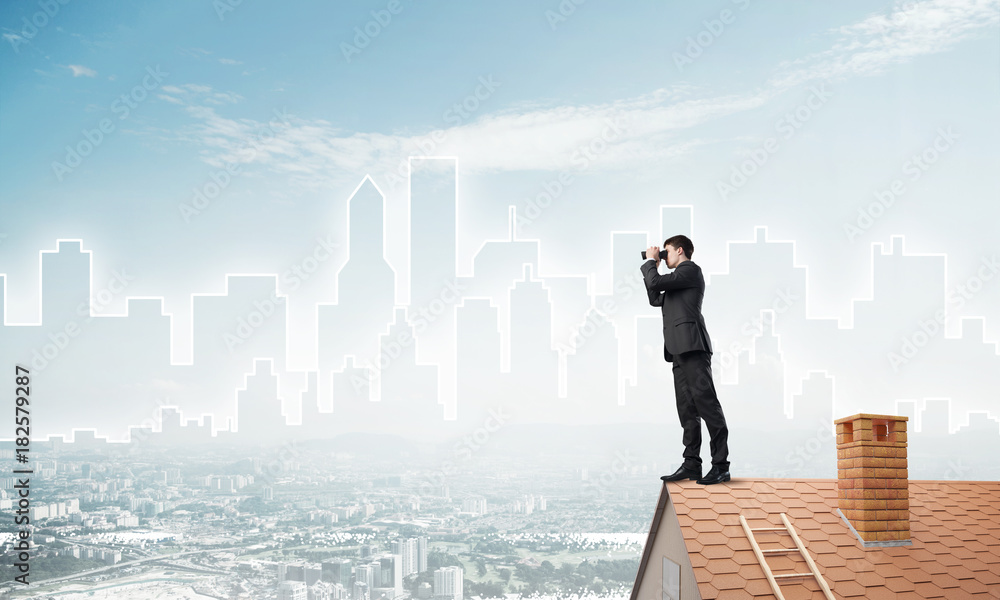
(686, 344)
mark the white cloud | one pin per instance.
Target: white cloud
(653, 127)
(80, 70)
(909, 30)
(192, 94)
(197, 53)
(170, 99)
(229, 61)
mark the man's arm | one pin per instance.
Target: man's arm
(678, 279)
(655, 298)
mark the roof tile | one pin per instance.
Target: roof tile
(928, 590)
(718, 551)
(830, 560)
(725, 565)
(839, 574)
(759, 587)
(742, 543)
(851, 589)
(870, 579)
(729, 581)
(899, 584)
(971, 586)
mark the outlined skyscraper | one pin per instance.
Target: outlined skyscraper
(248, 320)
(408, 393)
(365, 291)
(433, 265)
(534, 364)
(480, 383)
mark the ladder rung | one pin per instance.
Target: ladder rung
(772, 579)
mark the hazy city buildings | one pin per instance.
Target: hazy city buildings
(448, 583)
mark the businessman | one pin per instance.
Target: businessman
(686, 344)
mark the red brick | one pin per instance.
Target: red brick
(900, 525)
(857, 514)
(857, 494)
(892, 494)
(876, 483)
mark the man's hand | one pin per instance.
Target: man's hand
(653, 252)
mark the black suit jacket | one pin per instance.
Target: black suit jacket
(679, 295)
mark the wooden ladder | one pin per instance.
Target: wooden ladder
(799, 547)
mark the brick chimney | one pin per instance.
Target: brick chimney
(872, 481)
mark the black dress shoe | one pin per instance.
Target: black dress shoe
(683, 473)
(715, 475)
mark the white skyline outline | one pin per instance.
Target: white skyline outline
(760, 236)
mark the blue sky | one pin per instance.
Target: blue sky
(894, 73)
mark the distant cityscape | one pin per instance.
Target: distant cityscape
(320, 522)
(534, 509)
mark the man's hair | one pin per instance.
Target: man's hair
(681, 241)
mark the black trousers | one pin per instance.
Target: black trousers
(696, 400)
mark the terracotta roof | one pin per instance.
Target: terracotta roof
(955, 549)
